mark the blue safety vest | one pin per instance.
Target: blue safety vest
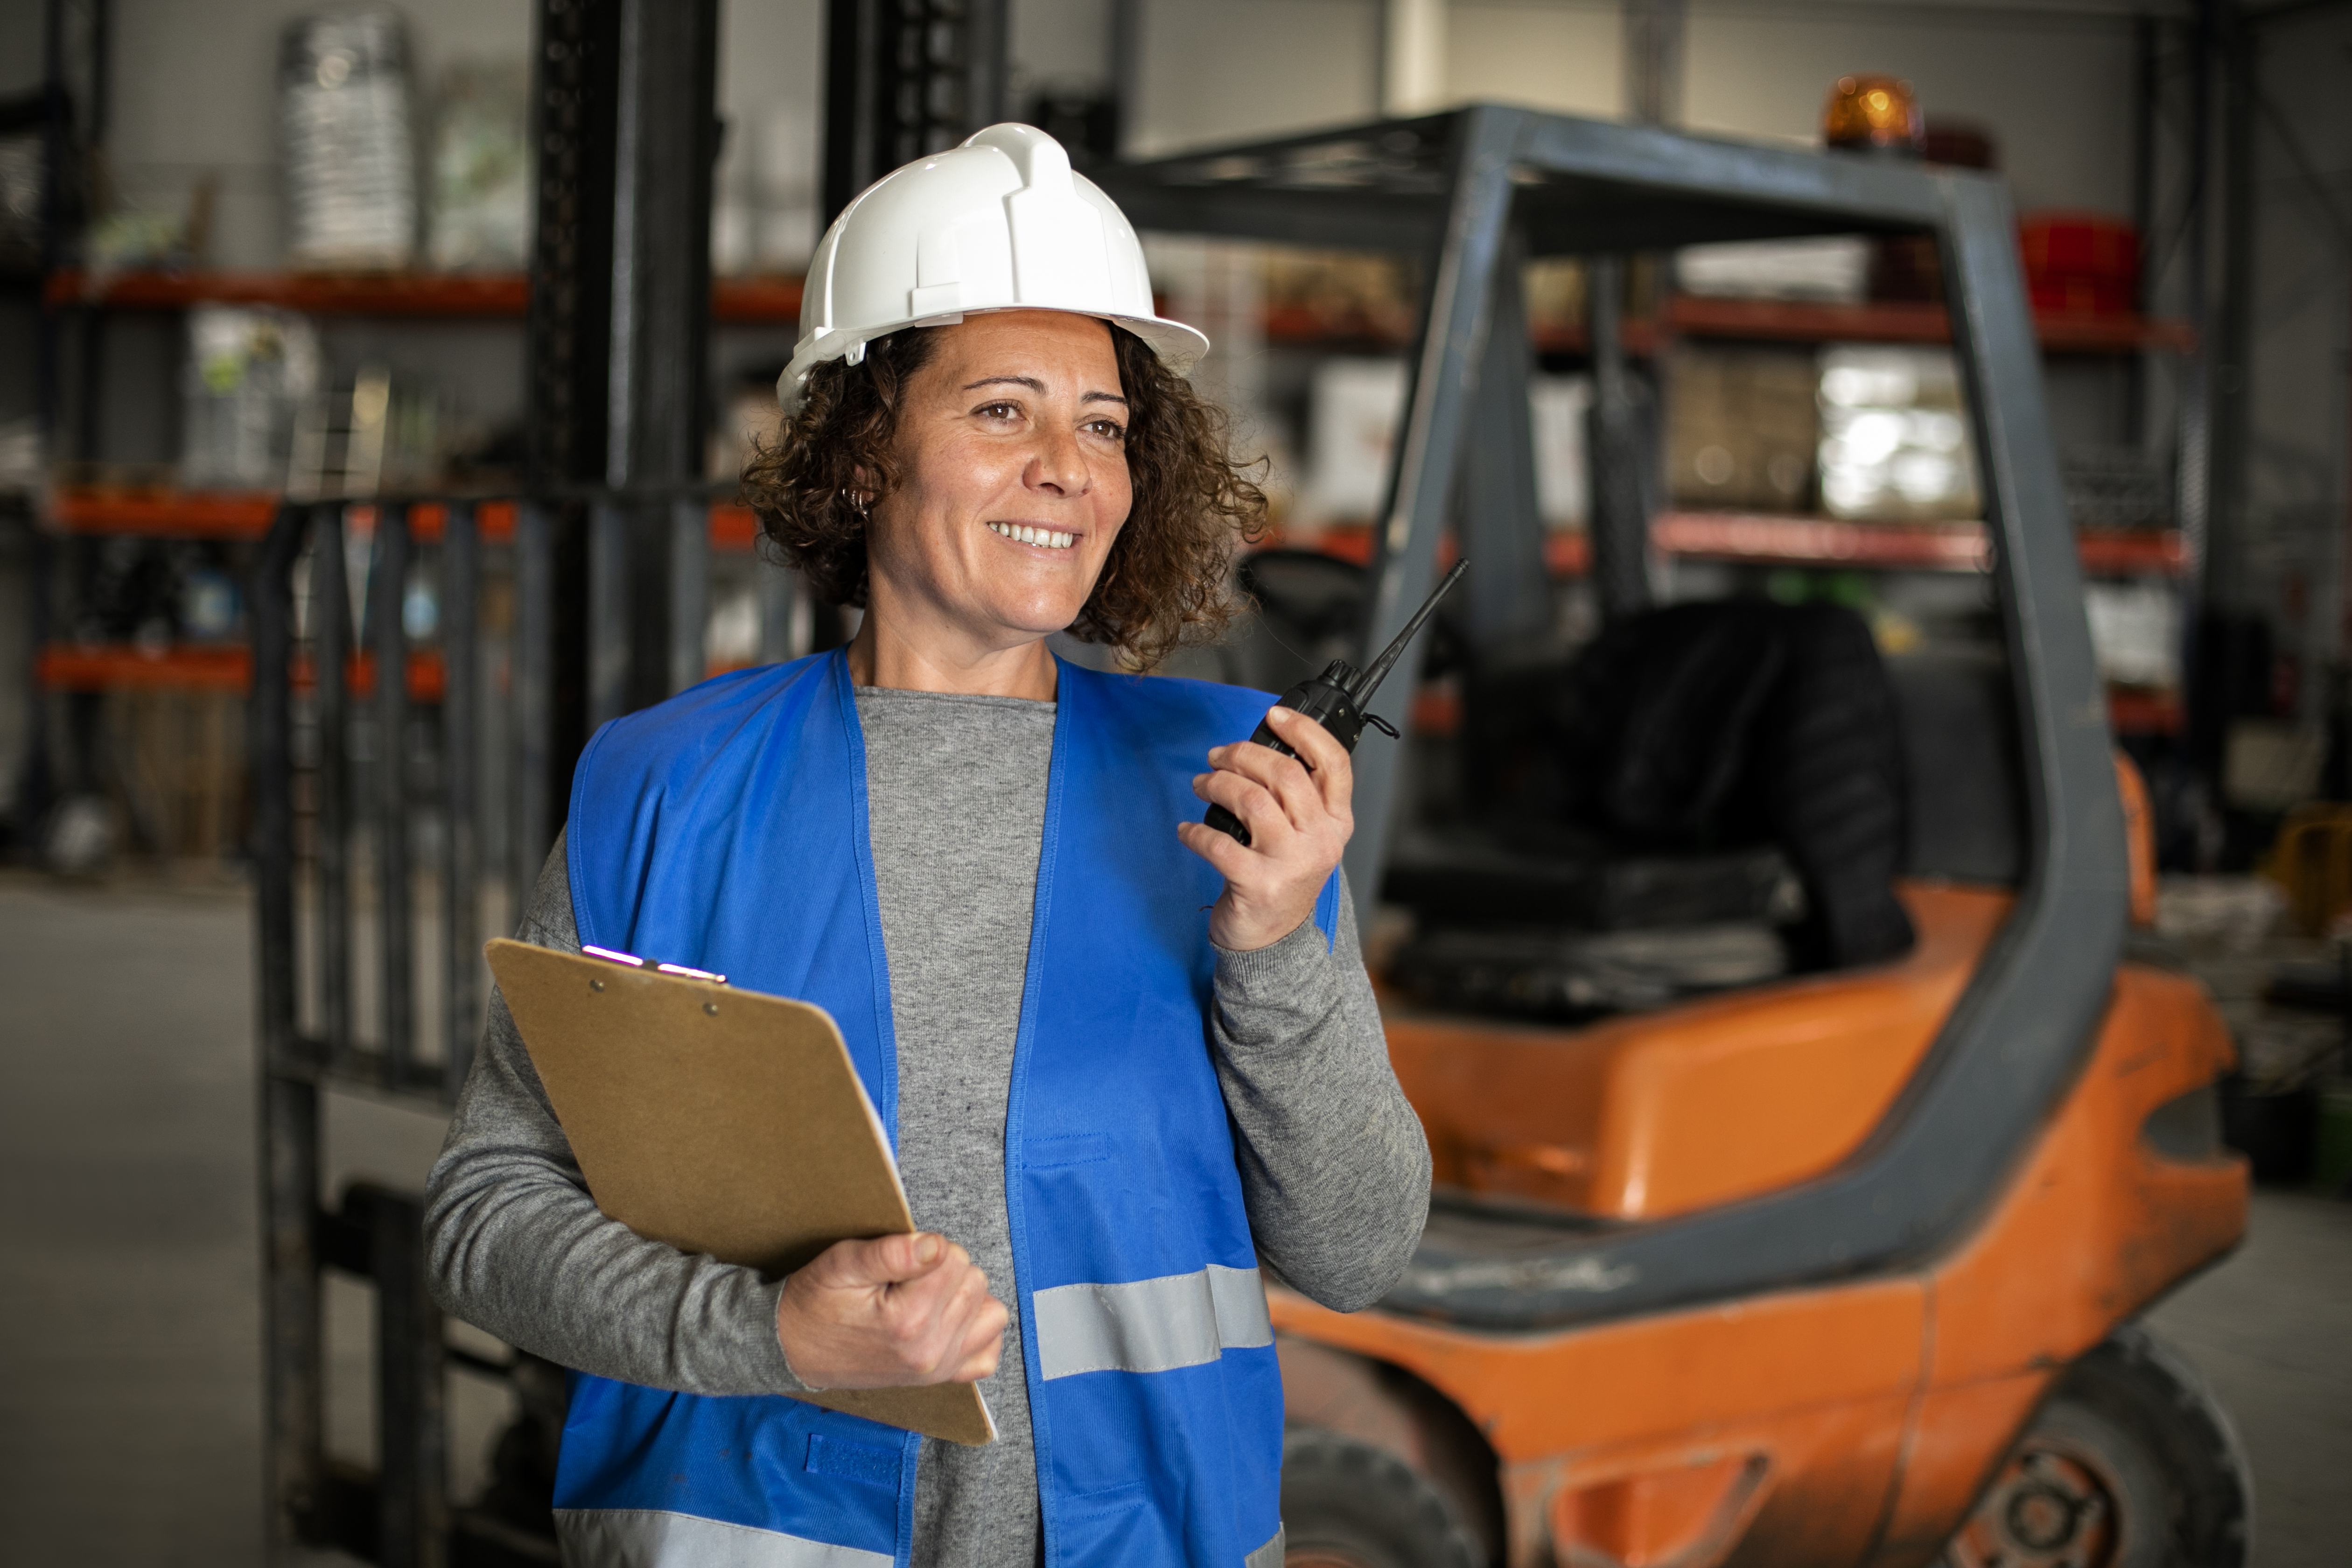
(727, 829)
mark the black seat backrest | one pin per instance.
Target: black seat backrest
(1704, 726)
(1967, 777)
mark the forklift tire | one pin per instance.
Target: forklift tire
(1347, 1504)
(2130, 1463)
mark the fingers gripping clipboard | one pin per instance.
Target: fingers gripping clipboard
(723, 1121)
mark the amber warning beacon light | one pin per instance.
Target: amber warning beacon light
(1336, 699)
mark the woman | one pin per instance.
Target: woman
(988, 864)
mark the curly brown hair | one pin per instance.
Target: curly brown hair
(1164, 583)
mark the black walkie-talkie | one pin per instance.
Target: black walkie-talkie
(1336, 699)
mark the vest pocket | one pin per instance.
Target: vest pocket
(1071, 1149)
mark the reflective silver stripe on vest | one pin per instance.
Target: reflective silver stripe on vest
(647, 1538)
(1266, 1556)
(1149, 1325)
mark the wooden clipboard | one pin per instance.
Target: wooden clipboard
(722, 1121)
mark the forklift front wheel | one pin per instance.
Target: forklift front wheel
(1347, 1504)
(2129, 1464)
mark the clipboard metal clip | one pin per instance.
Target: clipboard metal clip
(612, 955)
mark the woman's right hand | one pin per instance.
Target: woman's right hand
(889, 1313)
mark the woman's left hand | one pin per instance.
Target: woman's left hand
(1299, 813)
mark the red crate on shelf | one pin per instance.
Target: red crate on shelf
(2084, 264)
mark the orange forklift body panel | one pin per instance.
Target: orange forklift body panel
(1862, 1418)
(1647, 1115)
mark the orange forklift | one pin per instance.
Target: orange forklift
(1832, 1260)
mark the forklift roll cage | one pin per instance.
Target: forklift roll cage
(1478, 190)
(1474, 192)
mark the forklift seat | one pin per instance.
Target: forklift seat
(1706, 775)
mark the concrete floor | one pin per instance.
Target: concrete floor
(129, 1347)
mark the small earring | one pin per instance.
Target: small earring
(857, 503)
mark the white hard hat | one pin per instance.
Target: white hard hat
(998, 223)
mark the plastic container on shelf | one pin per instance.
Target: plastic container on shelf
(480, 218)
(249, 368)
(348, 137)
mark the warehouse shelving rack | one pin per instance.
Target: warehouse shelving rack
(442, 295)
(164, 513)
(777, 302)
(1751, 539)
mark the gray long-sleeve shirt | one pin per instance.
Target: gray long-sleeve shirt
(1334, 1167)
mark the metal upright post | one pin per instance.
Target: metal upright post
(610, 566)
(572, 122)
(2193, 460)
(903, 78)
(689, 590)
(1617, 449)
(291, 1360)
(532, 697)
(2230, 392)
(395, 940)
(1125, 69)
(1502, 529)
(987, 62)
(411, 1388)
(854, 63)
(461, 899)
(574, 110)
(1428, 448)
(1653, 31)
(656, 403)
(330, 642)
(624, 99)
(2146, 88)
(272, 732)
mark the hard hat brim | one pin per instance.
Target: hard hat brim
(1180, 347)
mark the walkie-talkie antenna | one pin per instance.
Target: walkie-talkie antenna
(1377, 672)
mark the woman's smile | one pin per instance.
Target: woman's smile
(1036, 534)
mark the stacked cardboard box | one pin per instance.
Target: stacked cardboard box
(1741, 429)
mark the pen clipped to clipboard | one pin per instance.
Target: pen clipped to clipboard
(723, 1121)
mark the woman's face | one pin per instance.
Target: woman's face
(1013, 481)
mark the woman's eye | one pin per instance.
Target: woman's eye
(1108, 429)
(998, 411)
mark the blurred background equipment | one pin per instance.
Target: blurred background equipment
(1873, 113)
